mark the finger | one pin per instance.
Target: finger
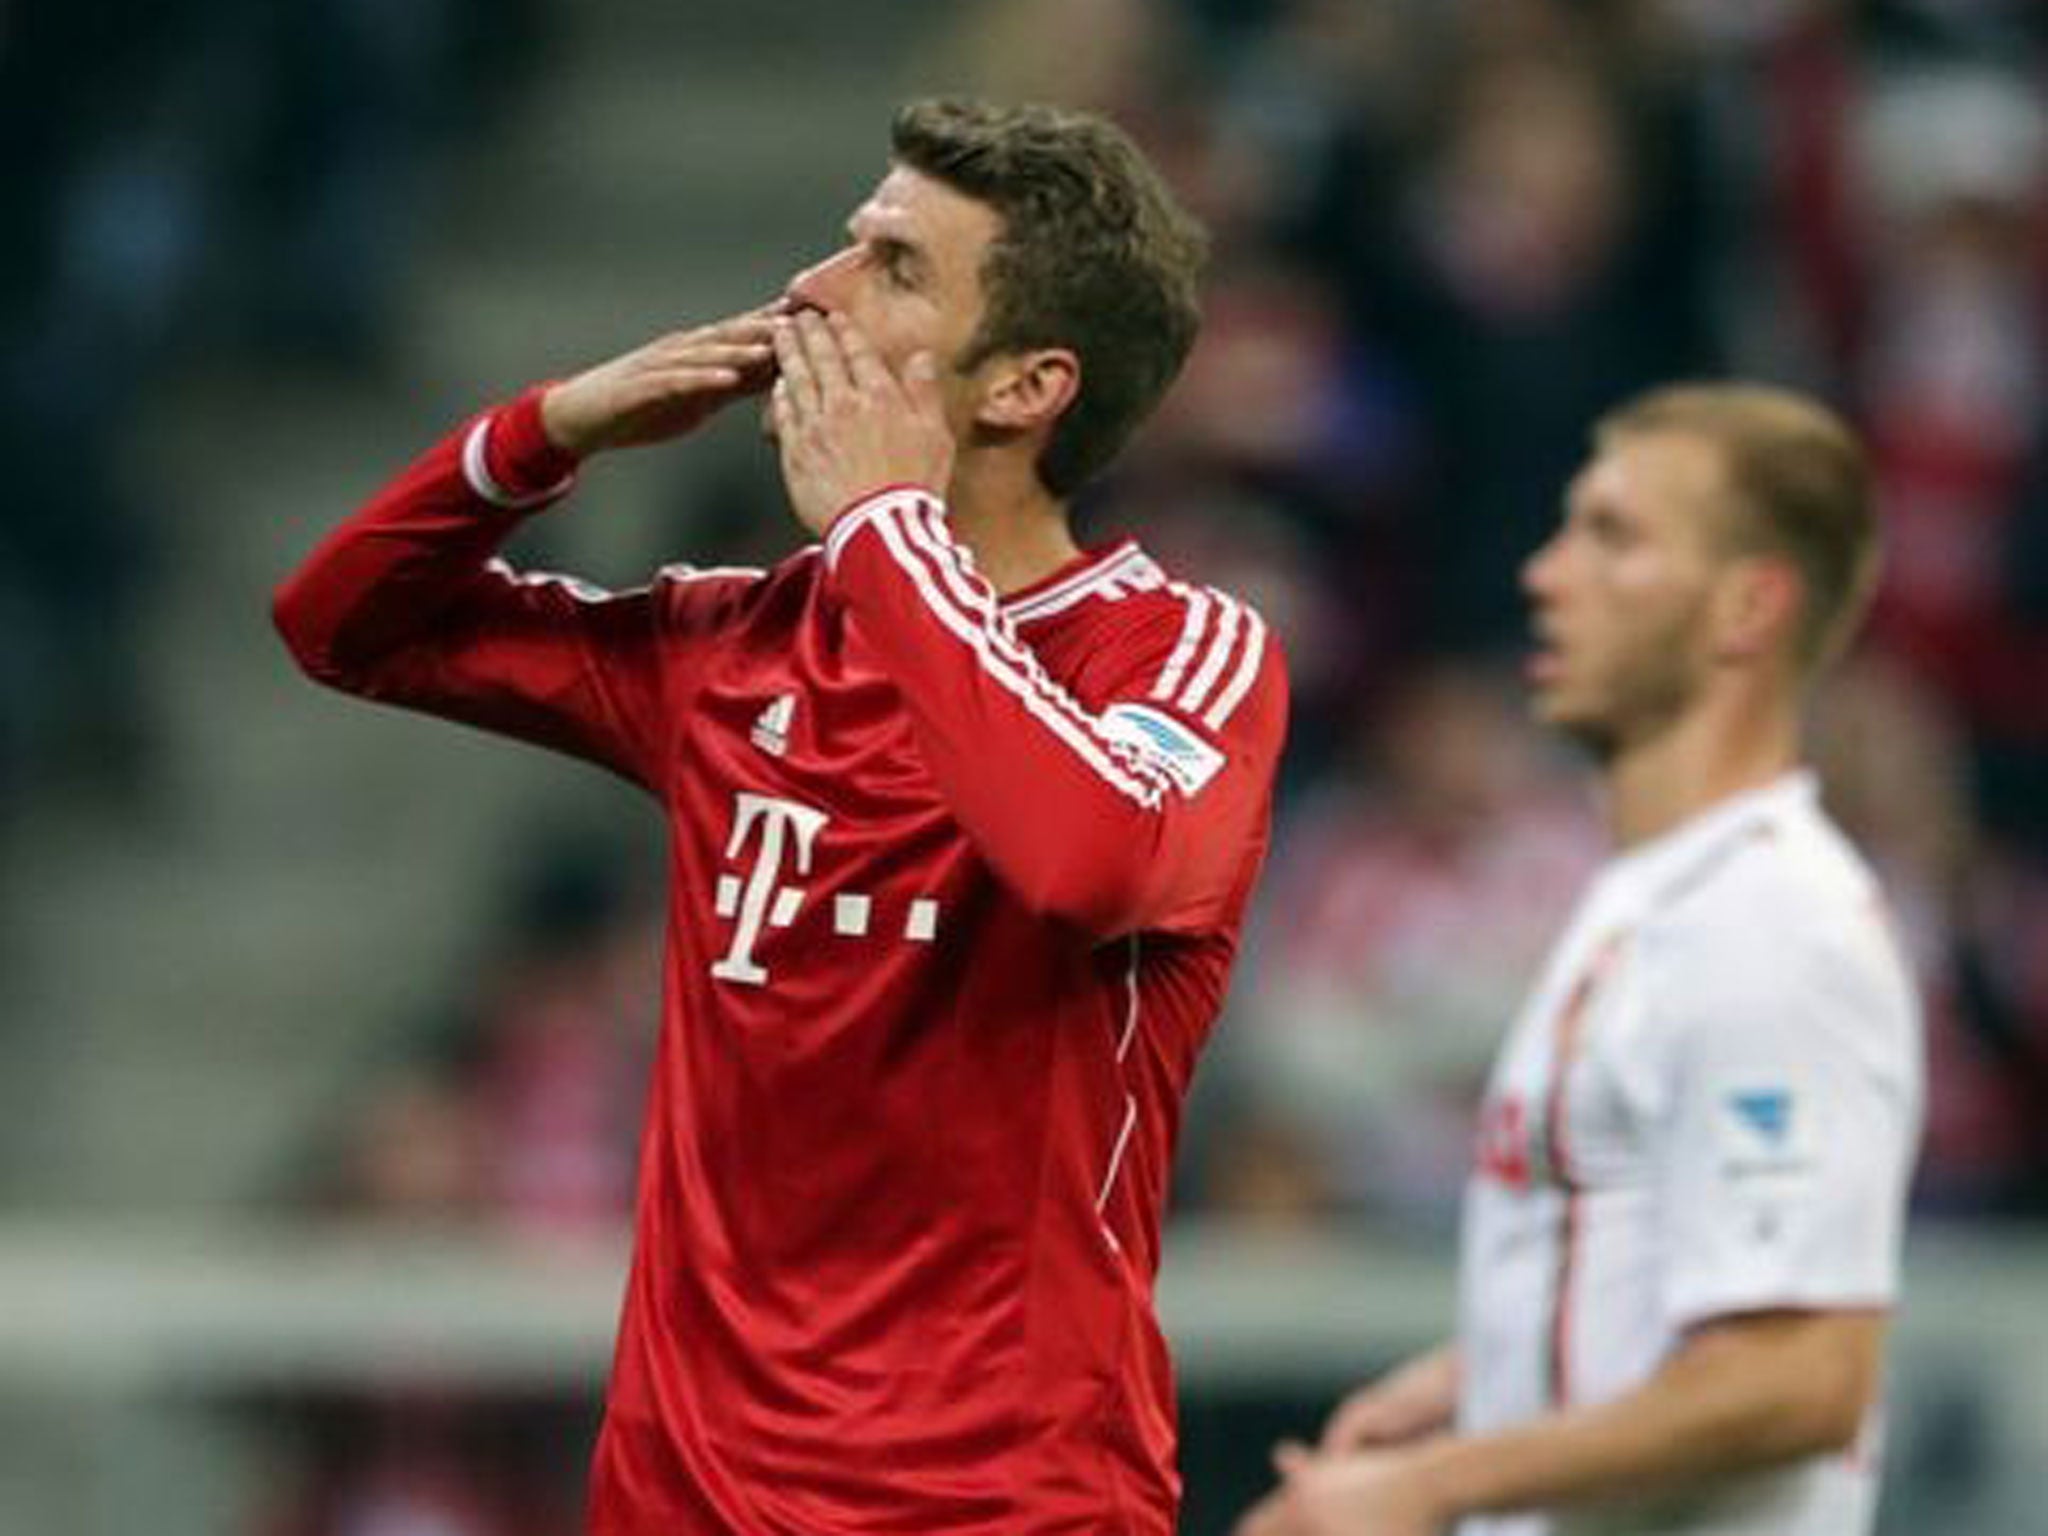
(758, 318)
(755, 329)
(711, 338)
(864, 364)
(778, 421)
(1346, 1427)
(757, 376)
(756, 342)
(801, 398)
(720, 354)
(921, 383)
(828, 361)
(677, 383)
(755, 365)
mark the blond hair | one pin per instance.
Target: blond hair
(1800, 486)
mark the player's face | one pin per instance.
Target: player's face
(909, 277)
(1620, 593)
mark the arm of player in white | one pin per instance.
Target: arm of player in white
(1415, 1399)
(1739, 1395)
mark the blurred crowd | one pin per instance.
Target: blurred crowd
(1448, 235)
(188, 180)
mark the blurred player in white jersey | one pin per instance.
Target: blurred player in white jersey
(1681, 1237)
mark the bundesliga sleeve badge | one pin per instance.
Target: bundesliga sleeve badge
(1185, 757)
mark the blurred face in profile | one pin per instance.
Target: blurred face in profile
(1621, 592)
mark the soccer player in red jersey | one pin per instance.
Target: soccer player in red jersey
(962, 823)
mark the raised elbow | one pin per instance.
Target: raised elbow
(1828, 1419)
(306, 635)
(1817, 1410)
(1787, 1386)
(288, 616)
(1103, 902)
(1100, 879)
(1842, 1381)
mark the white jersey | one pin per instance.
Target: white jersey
(1708, 1105)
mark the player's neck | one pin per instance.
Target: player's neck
(1724, 747)
(1016, 530)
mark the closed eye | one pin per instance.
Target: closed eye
(901, 263)
(1607, 529)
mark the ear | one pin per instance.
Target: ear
(1757, 604)
(1027, 390)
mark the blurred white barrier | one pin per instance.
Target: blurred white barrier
(143, 1305)
(111, 1331)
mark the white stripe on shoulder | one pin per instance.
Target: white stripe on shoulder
(847, 524)
(1241, 680)
(476, 471)
(1222, 644)
(1190, 636)
(1100, 734)
(1019, 669)
(924, 555)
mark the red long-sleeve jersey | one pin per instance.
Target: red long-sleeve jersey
(956, 884)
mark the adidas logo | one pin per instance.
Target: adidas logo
(771, 726)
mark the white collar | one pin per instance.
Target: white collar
(1680, 853)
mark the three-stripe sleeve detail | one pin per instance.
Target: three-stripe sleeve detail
(1221, 642)
(910, 530)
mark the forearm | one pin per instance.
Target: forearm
(419, 543)
(1710, 1413)
(1429, 1383)
(1414, 1400)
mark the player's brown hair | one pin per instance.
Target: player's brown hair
(1094, 255)
(1800, 486)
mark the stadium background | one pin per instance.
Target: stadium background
(321, 1029)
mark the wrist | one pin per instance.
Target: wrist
(555, 424)
(509, 459)
(1438, 1485)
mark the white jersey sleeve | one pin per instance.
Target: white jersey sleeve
(1791, 1079)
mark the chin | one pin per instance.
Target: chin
(1586, 728)
(1596, 738)
(1546, 708)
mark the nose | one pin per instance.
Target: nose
(822, 285)
(1541, 571)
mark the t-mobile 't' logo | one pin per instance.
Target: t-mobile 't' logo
(759, 900)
